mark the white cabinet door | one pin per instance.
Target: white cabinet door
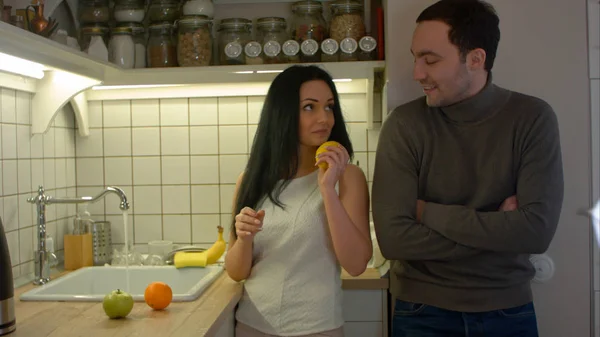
(363, 305)
(227, 328)
(363, 329)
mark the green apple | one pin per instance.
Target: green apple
(117, 304)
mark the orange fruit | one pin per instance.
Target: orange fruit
(158, 295)
(323, 148)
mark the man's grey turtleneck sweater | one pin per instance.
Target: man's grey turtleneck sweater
(464, 160)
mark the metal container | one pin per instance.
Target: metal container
(101, 242)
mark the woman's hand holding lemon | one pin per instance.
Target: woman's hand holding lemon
(332, 158)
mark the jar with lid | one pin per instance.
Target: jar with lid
(93, 11)
(291, 51)
(308, 22)
(309, 51)
(138, 33)
(194, 42)
(271, 33)
(234, 33)
(253, 51)
(348, 50)
(346, 20)
(329, 50)
(199, 7)
(93, 40)
(366, 47)
(129, 11)
(121, 49)
(161, 11)
(162, 48)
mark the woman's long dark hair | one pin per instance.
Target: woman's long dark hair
(274, 154)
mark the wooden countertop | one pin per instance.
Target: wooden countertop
(201, 317)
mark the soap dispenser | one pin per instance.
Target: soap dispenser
(8, 323)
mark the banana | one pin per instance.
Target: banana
(217, 249)
(202, 259)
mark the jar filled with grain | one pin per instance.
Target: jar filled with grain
(138, 33)
(234, 33)
(161, 11)
(162, 48)
(271, 33)
(194, 42)
(346, 20)
(308, 22)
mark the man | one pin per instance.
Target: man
(468, 183)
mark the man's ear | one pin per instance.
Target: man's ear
(476, 59)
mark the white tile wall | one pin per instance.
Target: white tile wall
(178, 161)
(26, 162)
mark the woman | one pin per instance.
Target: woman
(296, 223)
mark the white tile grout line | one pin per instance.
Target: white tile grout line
(189, 115)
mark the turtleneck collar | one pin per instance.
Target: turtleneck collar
(478, 107)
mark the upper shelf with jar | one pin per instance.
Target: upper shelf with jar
(196, 33)
(193, 42)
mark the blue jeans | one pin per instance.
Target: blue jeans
(420, 320)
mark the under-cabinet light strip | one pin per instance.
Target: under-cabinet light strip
(19, 66)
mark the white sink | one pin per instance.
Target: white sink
(91, 284)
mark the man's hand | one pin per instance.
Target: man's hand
(510, 204)
(420, 209)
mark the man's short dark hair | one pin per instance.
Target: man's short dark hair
(473, 24)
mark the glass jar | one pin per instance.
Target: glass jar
(161, 11)
(366, 47)
(329, 50)
(346, 20)
(97, 33)
(309, 51)
(138, 34)
(348, 50)
(291, 51)
(162, 49)
(308, 22)
(129, 11)
(199, 7)
(271, 33)
(234, 33)
(121, 48)
(252, 51)
(93, 11)
(194, 42)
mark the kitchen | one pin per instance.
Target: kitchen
(560, 38)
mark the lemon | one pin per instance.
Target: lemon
(323, 148)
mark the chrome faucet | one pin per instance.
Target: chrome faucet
(42, 265)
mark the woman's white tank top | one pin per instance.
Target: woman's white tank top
(294, 287)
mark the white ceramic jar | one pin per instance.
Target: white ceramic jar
(121, 48)
(199, 7)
